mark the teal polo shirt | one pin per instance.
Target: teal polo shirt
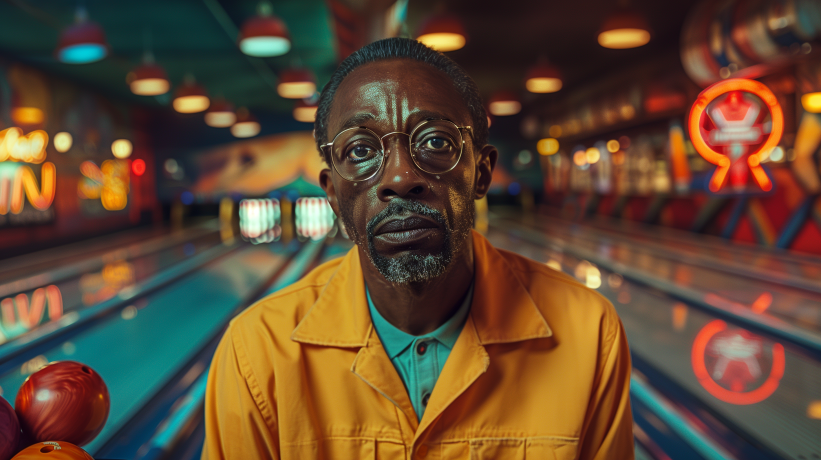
(419, 359)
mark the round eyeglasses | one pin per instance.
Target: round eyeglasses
(358, 153)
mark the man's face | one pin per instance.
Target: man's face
(409, 223)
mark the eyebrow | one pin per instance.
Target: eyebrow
(360, 118)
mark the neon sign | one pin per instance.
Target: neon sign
(18, 180)
(726, 124)
(109, 183)
(732, 364)
(30, 314)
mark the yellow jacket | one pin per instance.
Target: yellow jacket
(540, 371)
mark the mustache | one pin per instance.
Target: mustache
(398, 206)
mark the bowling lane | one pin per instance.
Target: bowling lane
(766, 301)
(94, 280)
(767, 390)
(84, 255)
(768, 264)
(139, 349)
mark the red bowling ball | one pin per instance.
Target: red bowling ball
(9, 430)
(65, 400)
(53, 450)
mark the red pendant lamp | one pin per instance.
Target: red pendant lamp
(83, 42)
(624, 29)
(543, 78)
(264, 35)
(443, 33)
(504, 103)
(296, 83)
(305, 112)
(149, 79)
(246, 125)
(190, 97)
(220, 114)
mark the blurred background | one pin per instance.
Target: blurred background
(158, 174)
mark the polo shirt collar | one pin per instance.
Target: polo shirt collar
(396, 340)
(502, 309)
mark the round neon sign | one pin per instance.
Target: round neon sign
(738, 127)
(730, 363)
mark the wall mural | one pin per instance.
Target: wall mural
(258, 166)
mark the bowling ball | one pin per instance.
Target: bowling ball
(53, 450)
(64, 400)
(9, 430)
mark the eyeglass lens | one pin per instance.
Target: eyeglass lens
(435, 148)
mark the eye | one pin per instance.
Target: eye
(360, 152)
(436, 144)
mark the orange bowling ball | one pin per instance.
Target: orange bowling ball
(53, 450)
(64, 400)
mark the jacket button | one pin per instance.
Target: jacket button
(422, 451)
(421, 348)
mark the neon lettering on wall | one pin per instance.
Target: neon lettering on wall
(733, 364)
(109, 183)
(737, 123)
(17, 180)
(29, 315)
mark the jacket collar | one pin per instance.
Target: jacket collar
(340, 316)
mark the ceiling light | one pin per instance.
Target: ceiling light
(83, 42)
(149, 79)
(121, 148)
(220, 114)
(63, 141)
(547, 146)
(264, 35)
(246, 125)
(190, 97)
(304, 112)
(543, 78)
(296, 84)
(812, 102)
(624, 29)
(443, 33)
(504, 103)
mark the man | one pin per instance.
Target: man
(424, 341)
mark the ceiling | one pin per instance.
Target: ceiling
(199, 37)
(186, 36)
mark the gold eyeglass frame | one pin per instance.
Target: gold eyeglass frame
(410, 147)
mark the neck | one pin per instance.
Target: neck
(420, 308)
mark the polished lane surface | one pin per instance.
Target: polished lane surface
(699, 270)
(137, 350)
(770, 391)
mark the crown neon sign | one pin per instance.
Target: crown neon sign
(739, 126)
(19, 181)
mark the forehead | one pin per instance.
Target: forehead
(394, 94)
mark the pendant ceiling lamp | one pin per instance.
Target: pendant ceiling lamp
(149, 79)
(624, 29)
(264, 35)
(504, 103)
(305, 112)
(190, 97)
(246, 125)
(82, 42)
(443, 33)
(220, 114)
(296, 84)
(543, 78)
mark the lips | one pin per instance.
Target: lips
(404, 224)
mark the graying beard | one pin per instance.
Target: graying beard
(411, 268)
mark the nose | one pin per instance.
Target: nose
(400, 177)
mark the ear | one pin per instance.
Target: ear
(484, 170)
(327, 184)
